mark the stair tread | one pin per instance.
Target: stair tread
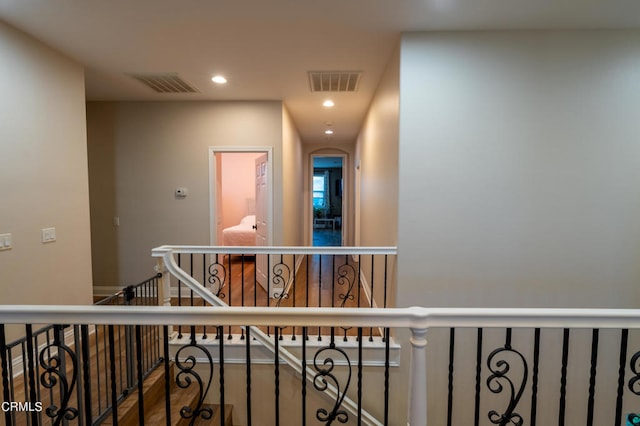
(128, 408)
(154, 404)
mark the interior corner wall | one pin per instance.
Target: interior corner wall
(159, 146)
(377, 164)
(43, 170)
(519, 169)
(292, 183)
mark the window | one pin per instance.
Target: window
(318, 191)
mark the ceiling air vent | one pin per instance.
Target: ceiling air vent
(165, 83)
(334, 81)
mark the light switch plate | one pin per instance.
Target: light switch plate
(5, 242)
(48, 235)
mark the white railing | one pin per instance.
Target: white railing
(288, 261)
(417, 320)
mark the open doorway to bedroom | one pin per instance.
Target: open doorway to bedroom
(240, 194)
(327, 200)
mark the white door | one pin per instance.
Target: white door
(261, 220)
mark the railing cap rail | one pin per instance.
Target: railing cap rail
(160, 251)
(413, 317)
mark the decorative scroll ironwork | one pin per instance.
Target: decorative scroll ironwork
(217, 278)
(55, 373)
(633, 419)
(321, 382)
(187, 375)
(496, 382)
(634, 382)
(281, 276)
(346, 278)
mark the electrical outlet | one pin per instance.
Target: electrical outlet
(5, 242)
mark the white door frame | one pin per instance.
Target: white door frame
(213, 184)
(345, 191)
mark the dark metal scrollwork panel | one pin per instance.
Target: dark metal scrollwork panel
(55, 373)
(499, 379)
(281, 276)
(217, 277)
(634, 382)
(326, 376)
(346, 278)
(187, 375)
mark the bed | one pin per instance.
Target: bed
(242, 234)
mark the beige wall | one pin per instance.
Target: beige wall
(43, 171)
(292, 183)
(519, 171)
(158, 146)
(377, 164)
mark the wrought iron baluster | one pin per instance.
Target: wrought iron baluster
(55, 373)
(281, 276)
(86, 371)
(229, 290)
(373, 257)
(293, 328)
(386, 262)
(624, 338)
(221, 349)
(167, 375)
(321, 383)
(452, 341)
(499, 377)
(5, 373)
(319, 292)
(112, 368)
(187, 375)
(563, 376)
(592, 376)
(478, 377)
(304, 374)
(534, 378)
(179, 294)
(359, 375)
(140, 376)
(308, 280)
(276, 372)
(358, 279)
(387, 353)
(204, 284)
(248, 369)
(31, 371)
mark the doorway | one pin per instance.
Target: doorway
(233, 196)
(327, 200)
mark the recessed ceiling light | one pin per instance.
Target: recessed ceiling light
(328, 103)
(219, 79)
(328, 132)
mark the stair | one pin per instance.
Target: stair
(154, 404)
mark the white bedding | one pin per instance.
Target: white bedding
(242, 234)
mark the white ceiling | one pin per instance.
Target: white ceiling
(266, 47)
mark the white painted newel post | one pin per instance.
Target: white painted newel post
(418, 379)
(164, 290)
